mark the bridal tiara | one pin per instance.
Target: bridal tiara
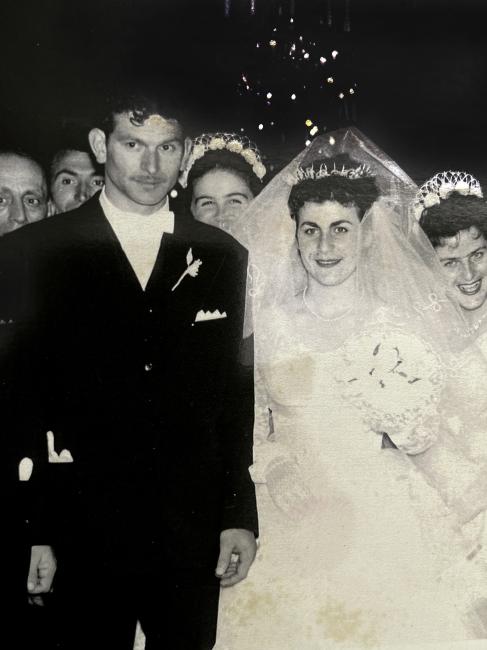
(441, 185)
(231, 142)
(312, 174)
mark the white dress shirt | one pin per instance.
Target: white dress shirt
(139, 235)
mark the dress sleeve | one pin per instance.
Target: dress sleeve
(268, 451)
(456, 464)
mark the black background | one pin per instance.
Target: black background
(420, 67)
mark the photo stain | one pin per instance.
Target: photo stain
(346, 625)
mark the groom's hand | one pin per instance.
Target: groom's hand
(237, 552)
(41, 572)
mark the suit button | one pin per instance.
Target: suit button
(148, 367)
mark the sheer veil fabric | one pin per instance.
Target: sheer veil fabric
(378, 419)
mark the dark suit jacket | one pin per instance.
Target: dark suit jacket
(153, 406)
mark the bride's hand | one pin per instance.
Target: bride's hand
(288, 490)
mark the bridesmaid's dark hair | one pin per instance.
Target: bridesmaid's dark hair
(448, 218)
(224, 160)
(358, 192)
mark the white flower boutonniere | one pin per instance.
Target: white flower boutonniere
(193, 266)
(64, 456)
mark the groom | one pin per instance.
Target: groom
(132, 317)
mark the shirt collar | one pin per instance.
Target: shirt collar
(164, 217)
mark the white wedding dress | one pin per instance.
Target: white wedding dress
(387, 552)
(373, 562)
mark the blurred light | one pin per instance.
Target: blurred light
(272, 123)
(314, 130)
(300, 38)
(352, 91)
(257, 45)
(309, 122)
(242, 129)
(273, 43)
(307, 143)
(330, 80)
(322, 59)
(275, 29)
(173, 194)
(306, 55)
(332, 140)
(293, 96)
(334, 54)
(341, 95)
(244, 78)
(248, 87)
(269, 95)
(261, 126)
(291, 20)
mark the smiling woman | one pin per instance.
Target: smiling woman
(224, 173)
(457, 228)
(328, 208)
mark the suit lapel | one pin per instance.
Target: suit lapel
(192, 291)
(111, 267)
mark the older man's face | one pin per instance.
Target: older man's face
(23, 192)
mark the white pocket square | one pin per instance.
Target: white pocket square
(63, 457)
(209, 315)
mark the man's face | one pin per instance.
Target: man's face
(328, 236)
(142, 163)
(74, 180)
(23, 192)
(464, 262)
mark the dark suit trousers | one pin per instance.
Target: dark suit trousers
(176, 609)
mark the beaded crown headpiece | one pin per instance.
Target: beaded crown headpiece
(441, 185)
(311, 173)
(233, 142)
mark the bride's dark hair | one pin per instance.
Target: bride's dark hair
(224, 160)
(452, 215)
(360, 192)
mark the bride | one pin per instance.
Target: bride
(364, 383)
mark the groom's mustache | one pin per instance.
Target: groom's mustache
(155, 180)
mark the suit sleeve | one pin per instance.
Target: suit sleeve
(237, 417)
(24, 450)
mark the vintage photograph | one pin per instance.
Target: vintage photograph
(243, 324)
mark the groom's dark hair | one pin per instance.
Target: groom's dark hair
(140, 104)
(359, 192)
(452, 215)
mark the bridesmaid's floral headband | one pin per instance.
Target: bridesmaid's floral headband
(441, 185)
(231, 142)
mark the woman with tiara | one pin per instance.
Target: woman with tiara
(223, 174)
(365, 488)
(452, 212)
